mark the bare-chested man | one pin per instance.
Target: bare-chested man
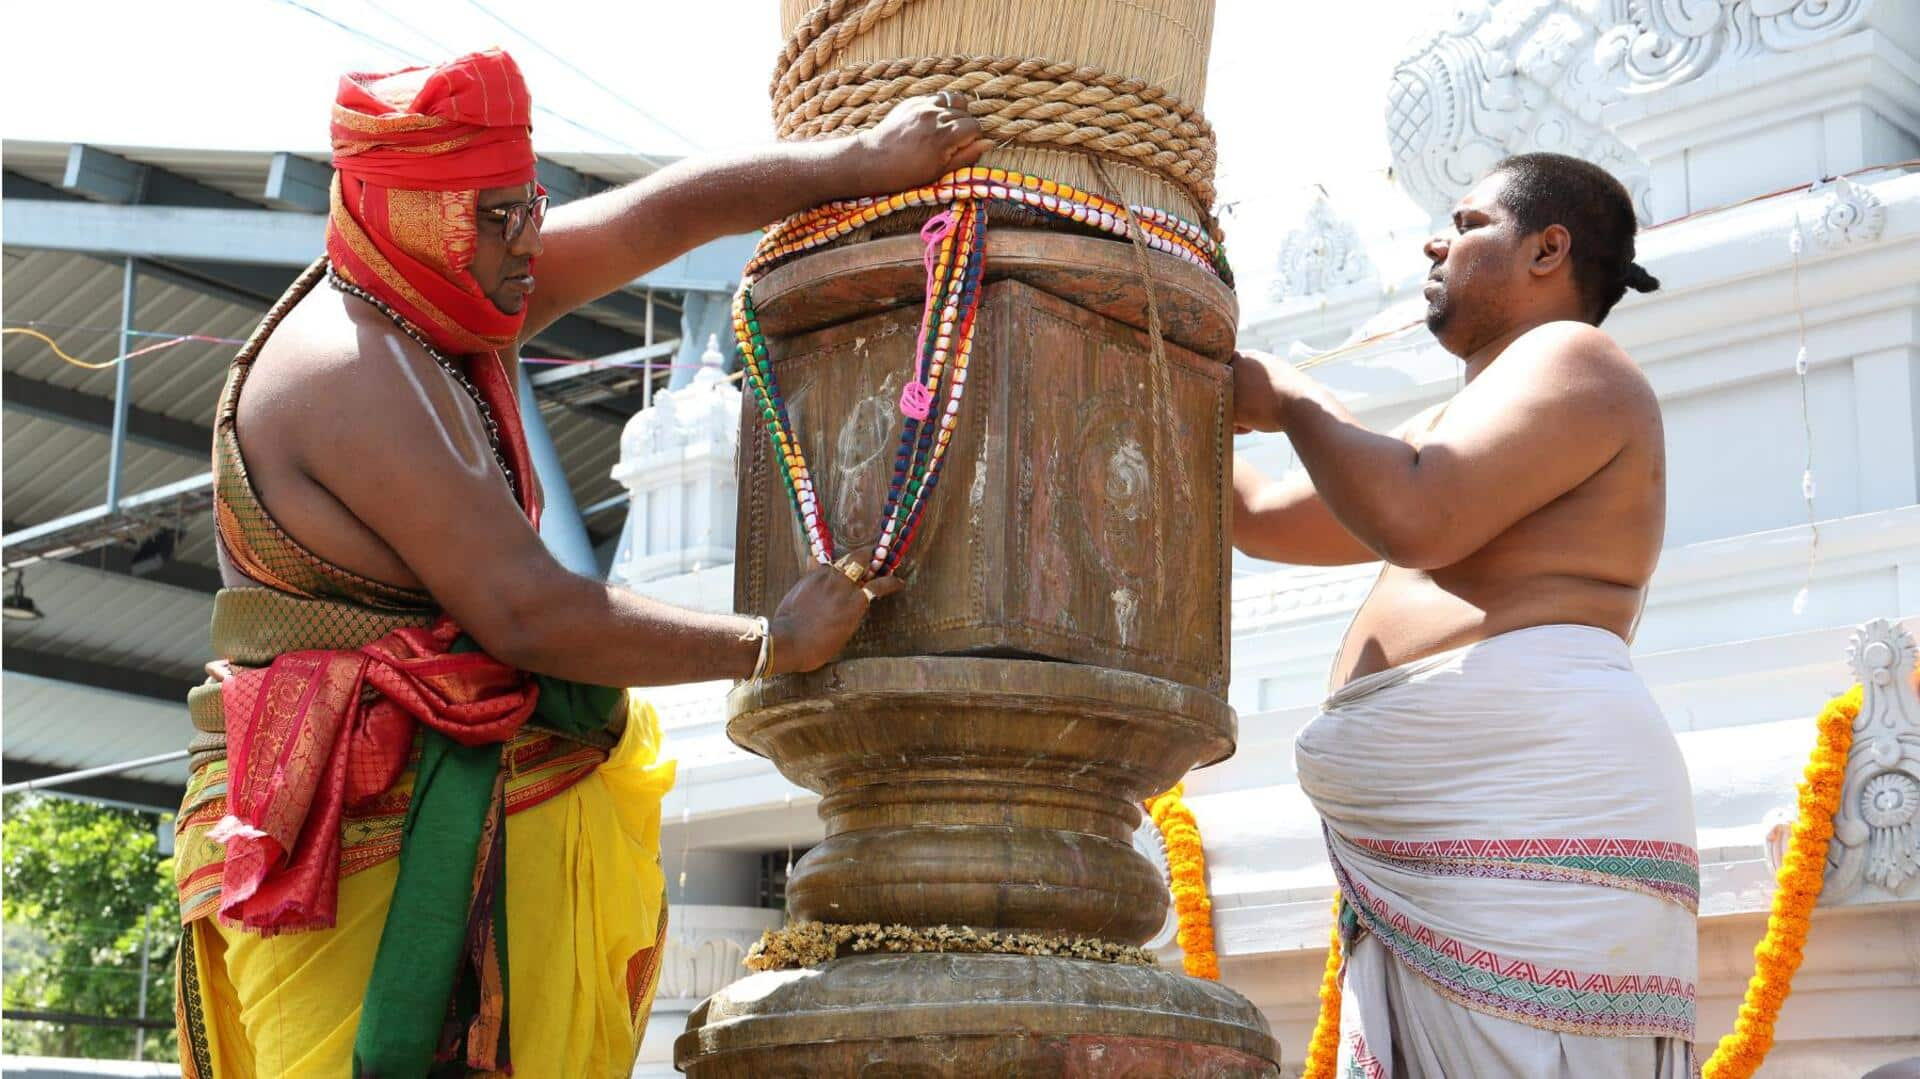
(1506, 810)
(406, 749)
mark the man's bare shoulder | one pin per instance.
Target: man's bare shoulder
(328, 358)
(1575, 354)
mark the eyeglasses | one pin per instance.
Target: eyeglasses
(513, 218)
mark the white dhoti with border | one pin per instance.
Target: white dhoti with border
(1511, 826)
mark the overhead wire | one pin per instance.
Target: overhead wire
(449, 50)
(571, 66)
(614, 167)
(173, 339)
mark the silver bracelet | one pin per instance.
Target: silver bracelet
(765, 630)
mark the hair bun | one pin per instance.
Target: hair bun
(1639, 280)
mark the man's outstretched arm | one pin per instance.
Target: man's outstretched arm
(1546, 415)
(429, 488)
(1286, 521)
(596, 245)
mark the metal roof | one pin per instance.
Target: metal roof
(113, 619)
(243, 173)
(76, 300)
(43, 715)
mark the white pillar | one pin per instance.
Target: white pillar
(677, 463)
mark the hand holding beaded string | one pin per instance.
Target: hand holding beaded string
(956, 260)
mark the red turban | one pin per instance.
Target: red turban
(411, 151)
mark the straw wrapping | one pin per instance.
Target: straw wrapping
(1044, 104)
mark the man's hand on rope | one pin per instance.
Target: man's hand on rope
(820, 613)
(922, 139)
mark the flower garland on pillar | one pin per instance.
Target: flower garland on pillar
(1802, 875)
(1323, 1049)
(1776, 958)
(1187, 868)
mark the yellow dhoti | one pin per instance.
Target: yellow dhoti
(586, 918)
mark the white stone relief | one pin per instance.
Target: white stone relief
(699, 967)
(1264, 600)
(1847, 213)
(702, 958)
(1512, 76)
(1875, 853)
(1776, 834)
(705, 410)
(1150, 841)
(1323, 254)
(1674, 41)
(1507, 77)
(677, 461)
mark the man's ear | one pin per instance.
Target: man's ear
(1552, 248)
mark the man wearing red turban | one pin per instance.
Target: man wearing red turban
(412, 800)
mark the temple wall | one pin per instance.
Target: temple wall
(1694, 115)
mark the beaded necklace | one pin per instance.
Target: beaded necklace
(955, 259)
(447, 364)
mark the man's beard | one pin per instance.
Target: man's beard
(1439, 313)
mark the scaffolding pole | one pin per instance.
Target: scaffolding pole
(122, 391)
(65, 778)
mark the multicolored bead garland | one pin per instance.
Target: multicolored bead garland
(955, 260)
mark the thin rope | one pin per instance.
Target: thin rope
(1795, 241)
(1157, 349)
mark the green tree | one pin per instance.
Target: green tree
(79, 880)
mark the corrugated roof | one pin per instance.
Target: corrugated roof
(244, 172)
(76, 300)
(53, 468)
(113, 619)
(56, 723)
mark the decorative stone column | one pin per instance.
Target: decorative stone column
(1875, 854)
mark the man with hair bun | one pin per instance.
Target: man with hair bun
(1506, 811)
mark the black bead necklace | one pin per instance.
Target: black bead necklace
(447, 364)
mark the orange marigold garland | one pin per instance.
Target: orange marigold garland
(1187, 867)
(1802, 874)
(1323, 1050)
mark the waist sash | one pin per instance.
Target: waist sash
(328, 704)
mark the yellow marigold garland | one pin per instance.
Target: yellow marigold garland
(1187, 866)
(1323, 1050)
(1776, 958)
(1802, 874)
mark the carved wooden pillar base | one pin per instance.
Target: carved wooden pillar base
(991, 793)
(1059, 656)
(995, 794)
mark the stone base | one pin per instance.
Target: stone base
(975, 1016)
